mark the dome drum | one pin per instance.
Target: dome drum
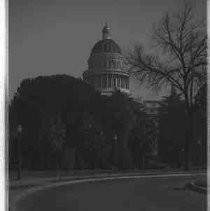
(106, 61)
(108, 82)
(90, 72)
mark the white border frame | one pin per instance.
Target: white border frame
(3, 97)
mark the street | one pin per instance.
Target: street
(143, 194)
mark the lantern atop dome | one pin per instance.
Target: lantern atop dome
(106, 32)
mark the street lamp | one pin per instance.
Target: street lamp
(182, 156)
(19, 131)
(115, 137)
(200, 154)
(115, 155)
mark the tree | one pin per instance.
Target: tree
(36, 101)
(57, 137)
(94, 147)
(140, 139)
(201, 99)
(184, 42)
(171, 140)
(201, 126)
(122, 120)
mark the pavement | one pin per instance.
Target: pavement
(61, 194)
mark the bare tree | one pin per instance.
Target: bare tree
(183, 40)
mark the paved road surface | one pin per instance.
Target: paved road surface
(144, 194)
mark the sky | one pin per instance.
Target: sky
(49, 37)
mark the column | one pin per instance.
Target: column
(114, 77)
(128, 82)
(118, 81)
(112, 82)
(123, 82)
(107, 81)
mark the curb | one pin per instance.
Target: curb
(13, 205)
(197, 188)
(39, 182)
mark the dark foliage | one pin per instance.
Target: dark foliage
(67, 124)
(172, 127)
(172, 130)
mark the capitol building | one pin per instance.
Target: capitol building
(107, 70)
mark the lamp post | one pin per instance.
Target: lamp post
(19, 131)
(182, 156)
(115, 155)
(115, 137)
(200, 156)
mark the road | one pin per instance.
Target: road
(143, 194)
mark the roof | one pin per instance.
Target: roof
(106, 46)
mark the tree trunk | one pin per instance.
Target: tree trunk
(58, 176)
(143, 162)
(19, 159)
(124, 161)
(189, 138)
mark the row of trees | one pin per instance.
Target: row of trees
(67, 124)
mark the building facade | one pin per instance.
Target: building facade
(152, 107)
(107, 71)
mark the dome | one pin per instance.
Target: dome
(106, 54)
(107, 71)
(106, 46)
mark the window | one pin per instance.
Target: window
(123, 83)
(126, 84)
(115, 81)
(118, 82)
